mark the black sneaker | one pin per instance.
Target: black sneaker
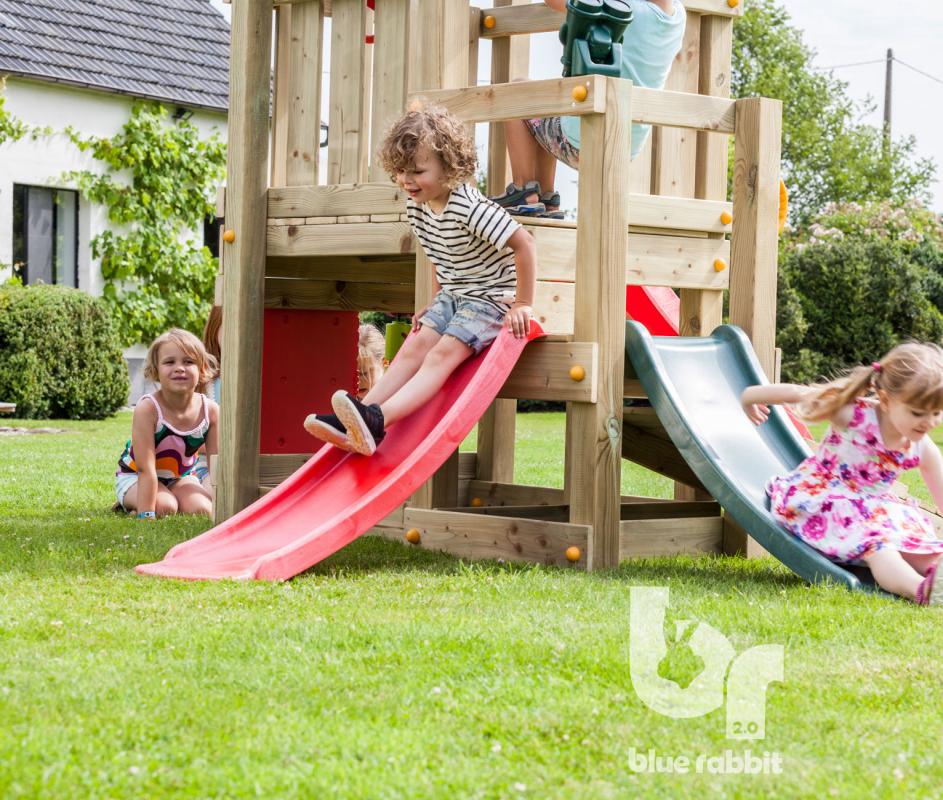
(516, 196)
(328, 428)
(364, 423)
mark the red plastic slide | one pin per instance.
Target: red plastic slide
(337, 496)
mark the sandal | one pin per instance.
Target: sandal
(925, 594)
(551, 199)
(516, 197)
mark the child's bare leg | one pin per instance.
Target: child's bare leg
(523, 152)
(894, 574)
(546, 171)
(441, 361)
(192, 498)
(921, 561)
(165, 505)
(404, 366)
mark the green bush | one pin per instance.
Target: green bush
(846, 301)
(60, 356)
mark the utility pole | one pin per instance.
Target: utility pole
(888, 93)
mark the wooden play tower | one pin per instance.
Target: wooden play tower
(340, 241)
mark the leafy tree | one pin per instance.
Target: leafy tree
(159, 185)
(829, 155)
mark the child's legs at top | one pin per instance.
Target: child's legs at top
(191, 497)
(534, 147)
(404, 366)
(465, 327)
(898, 573)
(165, 505)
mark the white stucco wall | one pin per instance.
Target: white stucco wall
(42, 162)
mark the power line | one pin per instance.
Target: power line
(919, 71)
(880, 61)
(854, 64)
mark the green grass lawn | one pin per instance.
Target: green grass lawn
(389, 672)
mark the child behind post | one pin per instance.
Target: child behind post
(650, 45)
(484, 276)
(841, 500)
(155, 475)
(371, 350)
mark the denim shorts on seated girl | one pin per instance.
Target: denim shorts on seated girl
(473, 322)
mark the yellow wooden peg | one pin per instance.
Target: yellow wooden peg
(229, 236)
(579, 93)
(726, 218)
(573, 553)
(719, 265)
(477, 502)
(577, 373)
(413, 536)
(490, 21)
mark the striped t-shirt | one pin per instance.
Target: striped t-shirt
(467, 243)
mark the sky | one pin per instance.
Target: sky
(841, 32)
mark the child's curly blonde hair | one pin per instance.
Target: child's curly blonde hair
(435, 128)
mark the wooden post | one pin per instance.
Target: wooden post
(442, 49)
(347, 142)
(297, 108)
(244, 278)
(753, 255)
(510, 60)
(594, 435)
(391, 61)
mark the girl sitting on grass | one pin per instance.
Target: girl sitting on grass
(841, 500)
(155, 474)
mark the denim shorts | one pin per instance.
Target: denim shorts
(550, 136)
(473, 322)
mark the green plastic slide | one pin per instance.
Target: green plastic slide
(694, 385)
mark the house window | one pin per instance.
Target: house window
(45, 235)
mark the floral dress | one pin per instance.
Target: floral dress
(841, 501)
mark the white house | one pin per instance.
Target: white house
(83, 63)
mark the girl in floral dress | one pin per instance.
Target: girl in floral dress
(841, 500)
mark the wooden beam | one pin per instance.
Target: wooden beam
(249, 82)
(522, 100)
(662, 214)
(493, 537)
(645, 442)
(669, 537)
(353, 239)
(497, 493)
(543, 372)
(594, 439)
(677, 109)
(277, 467)
(755, 241)
(380, 197)
(376, 269)
(390, 298)
(538, 18)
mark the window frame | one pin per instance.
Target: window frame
(20, 240)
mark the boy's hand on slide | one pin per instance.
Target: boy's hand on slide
(418, 316)
(758, 413)
(518, 319)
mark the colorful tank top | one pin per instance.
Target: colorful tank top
(174, 451)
